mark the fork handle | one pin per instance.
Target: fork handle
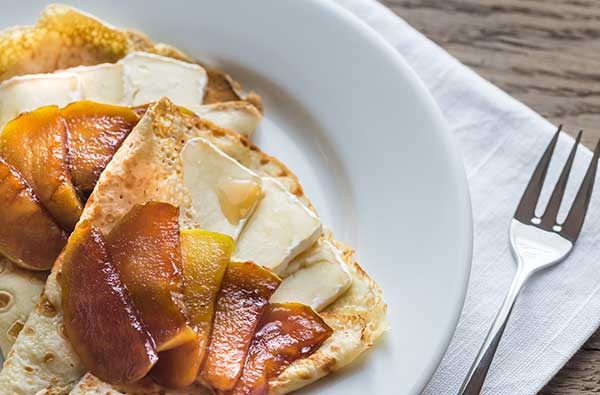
(474, 381)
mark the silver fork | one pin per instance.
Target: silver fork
(536, 243)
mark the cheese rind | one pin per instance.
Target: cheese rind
(240, 116)
(280, 228)
(322, 277)
(149, 77)
(224, 193)
(138, 78)
(27, 93)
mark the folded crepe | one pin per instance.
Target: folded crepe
(65, 38)
(20, 288)
(149, 167)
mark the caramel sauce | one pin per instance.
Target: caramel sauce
(50, 161)
(95, 131)
(287, 332)
(145, 248)
(28, 233)
(237, 197)
(101, 322)
(244, 296)
(35, 145)
(205, 259)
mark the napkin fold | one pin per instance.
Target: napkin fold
(501, 141)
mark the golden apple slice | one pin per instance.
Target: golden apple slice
(28, 234)
(245, 293)
(205, 258)
(145, 249)
(100, 320)
(179, 366)
(34, 144)
(94, 133)
(287, 332)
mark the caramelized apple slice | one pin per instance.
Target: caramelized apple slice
(244, 296)
(94, 133)
(205, 258)
(145, 248)
(100, 321)
(34, 144)
(28, 234)
(287, 332)
(179, 366)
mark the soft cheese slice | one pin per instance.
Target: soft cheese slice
(101, 83)
(149, 77)
(280, 229)
(139, 78)
(322, 277)
(224, 192)
(27, 93)
(240, 116)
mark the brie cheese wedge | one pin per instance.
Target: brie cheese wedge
(241, 116)
(138, 78)
(149, 77)
(322, 277)
(27, 93)
(224, 193)
(101, 83)
(280, 228)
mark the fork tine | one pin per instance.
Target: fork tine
(549, 216)
(526, 208)
(574, 221)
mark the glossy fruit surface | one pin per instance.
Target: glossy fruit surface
(94, 133)
(179, 366)
(100, 320)
(145, 249)
(244, 296)
(205, 258)
(287, 332)
(34, 144)
(28, 234)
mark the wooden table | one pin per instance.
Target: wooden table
(546, 53)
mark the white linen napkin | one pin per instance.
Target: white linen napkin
(501, 141)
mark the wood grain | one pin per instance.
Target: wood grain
(546, 53)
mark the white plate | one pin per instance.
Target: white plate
(346, 113)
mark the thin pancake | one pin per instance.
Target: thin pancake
(24, 287)
(358, 317)
(64, 37)
(19, 292)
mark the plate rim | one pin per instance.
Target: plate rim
(444, 134)
(441, 132)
